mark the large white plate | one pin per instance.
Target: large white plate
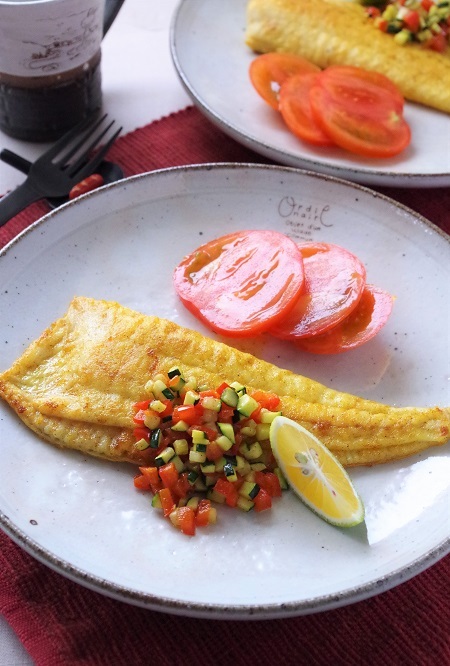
(212, 60)
(83, 517)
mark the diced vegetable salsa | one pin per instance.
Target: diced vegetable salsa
(426, 22)
(207, 447)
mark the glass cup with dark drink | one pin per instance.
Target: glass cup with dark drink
(50, 57)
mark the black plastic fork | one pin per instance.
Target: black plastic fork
(53, 174)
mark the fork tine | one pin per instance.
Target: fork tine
(87, 149)
(65, 140)
(87, 169)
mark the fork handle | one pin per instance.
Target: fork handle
(17, 200)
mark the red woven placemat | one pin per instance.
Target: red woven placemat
(61, 623)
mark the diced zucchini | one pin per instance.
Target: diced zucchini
(267, 416)
(156, 501)
(227, 430)
(181, 447)
(230, 471)
(252, 451)
(168, 394)
(239, 388)
(192, 476)
(157, 406)
(245, 504)
(191, 398)
(164, 457)
(199, 437)
(208, 467)
(158, 389)
(243, 466)
(180, 426)
(281, 478)
(177, 385)
(156, 438)
(220, 463)
(262, 431)
(179, 464)
(224, 443)
(200, 484)
(193, 502)
(152, 420)
(214, 496)
(257, 466)
(174, 372)
(197, 456)
(229, 397)
(249, 490)
(142, 444)
(212, 516)
(209, 481)
(246, 404)
(249, 430)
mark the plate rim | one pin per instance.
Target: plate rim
(208, 609)
(363, 175)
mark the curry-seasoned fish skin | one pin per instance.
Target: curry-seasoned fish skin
(86, 371)
(338, 32)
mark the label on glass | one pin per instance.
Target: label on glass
(48, 38)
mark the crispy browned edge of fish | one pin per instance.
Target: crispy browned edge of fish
(338, 32)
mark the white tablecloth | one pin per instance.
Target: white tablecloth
(139, 85)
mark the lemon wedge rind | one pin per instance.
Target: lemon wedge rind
(314, 474)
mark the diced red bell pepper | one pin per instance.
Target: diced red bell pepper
(186, 520)
(269, 482)
(202, 513)
(188, 413)
(168, 474)
(141, 433)
(141, 482)
(262, 501)
(225, 414)
(167, 501)
(220, 389)
(182, 487)
(214, 451)
(411, 19)
(267, 400)
(141, 405)
(228, 490)
(210, 393)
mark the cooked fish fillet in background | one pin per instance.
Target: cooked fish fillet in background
(338, 32)
(75, 386)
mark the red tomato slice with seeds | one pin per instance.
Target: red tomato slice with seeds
(356, 83)
(295, 109)
(243, 283)
(269, 71)
(334, 282)
(366, 320)
(359, 115)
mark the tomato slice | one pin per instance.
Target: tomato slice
(370, 315)
(270, 70)
(334, 282)
(295, 109)
(243, 283)
(360, 116)
(357, 85)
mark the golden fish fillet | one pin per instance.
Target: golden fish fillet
(338, 32)
(75, 386)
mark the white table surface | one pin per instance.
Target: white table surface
(139, 85)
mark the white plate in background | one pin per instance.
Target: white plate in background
(212, 60)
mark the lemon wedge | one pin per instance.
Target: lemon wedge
(314, 474)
